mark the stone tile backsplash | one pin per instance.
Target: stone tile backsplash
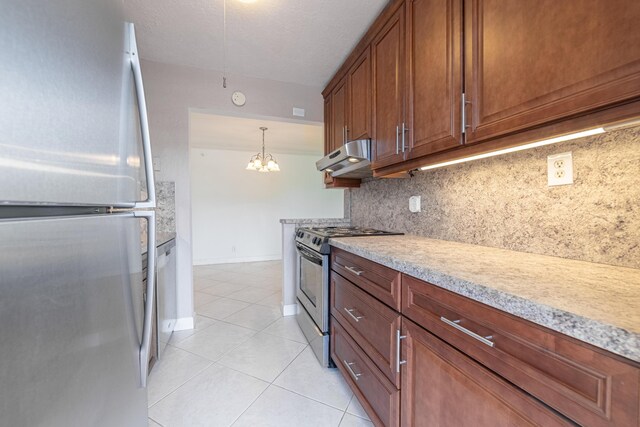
(505, 202)
(166, 207)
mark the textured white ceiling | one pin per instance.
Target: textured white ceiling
(212, 131)
(298, 41)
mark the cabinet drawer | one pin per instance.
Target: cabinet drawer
(373, 325)
(584, 383)
(381, 282)
(443, 387)
(379, 397)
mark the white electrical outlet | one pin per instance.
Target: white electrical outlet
(414, 204)
(560, 169)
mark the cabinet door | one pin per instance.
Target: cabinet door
(328, 129)
(443, 387)
(339, 115)
(532, 62)
(387, 57)
(434, 75)
(359, 88)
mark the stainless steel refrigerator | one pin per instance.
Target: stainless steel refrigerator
(74, 161)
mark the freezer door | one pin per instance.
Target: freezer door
(71, 316)
(70, 129)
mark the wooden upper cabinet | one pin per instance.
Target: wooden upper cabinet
(328, 130)
(387, 59)
(359, 98)
(434, 76)
(533, 62)
(339, 115)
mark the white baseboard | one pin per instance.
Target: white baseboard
(289, 309)
(210, 261)
(184, 323)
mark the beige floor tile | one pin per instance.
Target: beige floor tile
(256, 317)
(174, 368)
(286, 327)
(223, 289)
(273, 300)
(251, 294)
(221, 308)
(213, 342)
(215, 397)
(200, 283)
(264, 356)
(277, 407)
(201, 298)
(355, 408)
(352, 421)
(201, 323)
(305, 376)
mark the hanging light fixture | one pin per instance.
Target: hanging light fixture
(263, 162)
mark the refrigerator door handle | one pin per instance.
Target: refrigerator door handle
(145, 346)
(144, 123)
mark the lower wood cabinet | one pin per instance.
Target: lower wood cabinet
(379, 397)
(443, 387)
(430, 357)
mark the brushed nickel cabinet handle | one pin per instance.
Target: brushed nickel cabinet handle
(351, 371)
(455, 324)
(397, 141)
(404, 130)
(354, 271)
(398, 339)
(353, 316)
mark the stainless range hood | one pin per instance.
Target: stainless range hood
(352, 160)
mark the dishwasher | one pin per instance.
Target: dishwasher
(166, 293)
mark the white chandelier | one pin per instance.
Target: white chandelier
(262, 162)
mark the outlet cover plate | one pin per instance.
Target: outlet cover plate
(560, 169)
(414, 204)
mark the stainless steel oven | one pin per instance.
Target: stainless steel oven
(312, 282)
(312, 290)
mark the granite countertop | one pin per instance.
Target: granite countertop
(595, 303)
(312, 221)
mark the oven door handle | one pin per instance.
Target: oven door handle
(309, 256)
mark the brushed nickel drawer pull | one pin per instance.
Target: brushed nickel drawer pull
(351, 371)
(454, 323)
(353, 316)
(354, 271)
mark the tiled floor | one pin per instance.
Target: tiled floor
(245, 364)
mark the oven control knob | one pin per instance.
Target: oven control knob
(316, 240)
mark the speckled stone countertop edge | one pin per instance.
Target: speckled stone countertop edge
(315, 221)
(608, 337)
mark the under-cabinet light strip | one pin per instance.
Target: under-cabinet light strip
(519, 148)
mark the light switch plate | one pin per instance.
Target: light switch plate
(414, 204)
(299, 112)
(156, 164)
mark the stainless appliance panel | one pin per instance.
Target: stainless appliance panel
(166, 279)
(318, 341)
(312, 285)
(69, 126)
(72, 321)
(352, 160)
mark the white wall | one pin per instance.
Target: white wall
(236, 208)
(171, 91)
